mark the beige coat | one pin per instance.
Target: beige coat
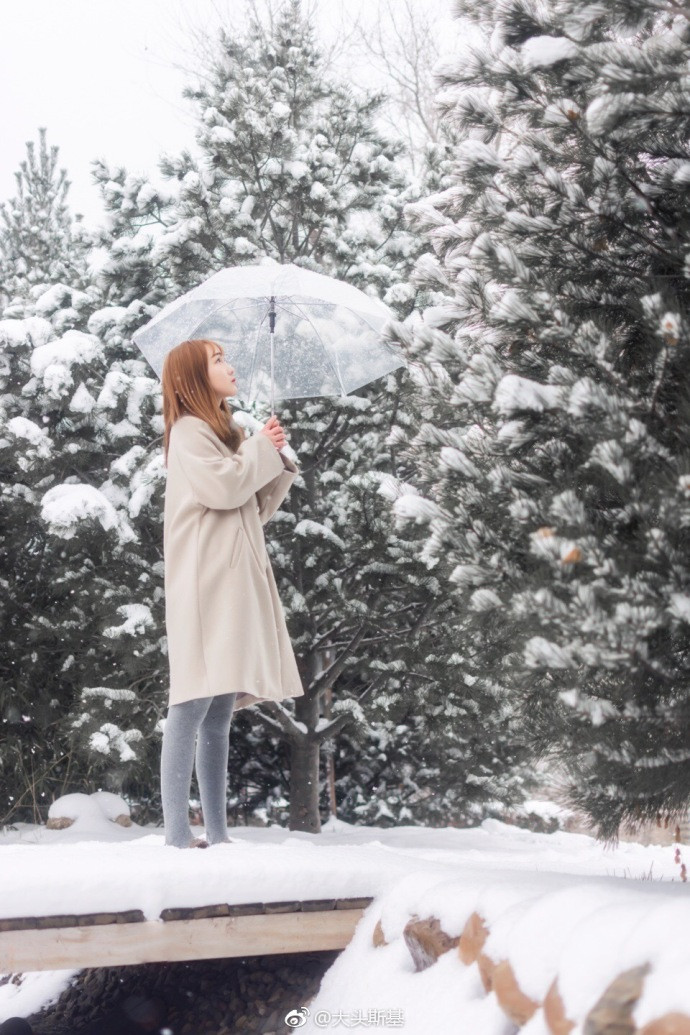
(225, 625)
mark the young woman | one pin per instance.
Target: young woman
(228, 644)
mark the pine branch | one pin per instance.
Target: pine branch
(330, 674)
(284, 721)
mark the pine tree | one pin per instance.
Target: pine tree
(130, 277)
(367, 618)
(292, 167)
(555, 468)
(75, 593)
(42, 247)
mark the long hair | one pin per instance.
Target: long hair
(186, 390)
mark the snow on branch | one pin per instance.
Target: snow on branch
(544, 51)
(66, 507)
(108, 694)
(138, 619)
(110, 738)
(416, 508)
(316, 529)
(541, 653)
(515, 393)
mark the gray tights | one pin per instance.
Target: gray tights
(206, 721)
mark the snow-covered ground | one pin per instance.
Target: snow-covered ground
(556, 904)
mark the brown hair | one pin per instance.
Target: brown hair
(186, 390)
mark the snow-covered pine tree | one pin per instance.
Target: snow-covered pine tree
(129, 276)
(80, 580)
(42, 246)
(447, 747)
(76, 591)
(291, 166)
(555, 469)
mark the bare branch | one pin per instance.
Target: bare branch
(403, 47)
(330, 731)
(284, 721)
(330, 674)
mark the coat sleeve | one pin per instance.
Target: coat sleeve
(218, 481)
(272, 495)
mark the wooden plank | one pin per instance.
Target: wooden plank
(135, 916)
(353, 903)
(24, 923)
(286, 906)
(114, 945)
(317, 905)
(195, 913)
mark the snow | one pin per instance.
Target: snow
(456, 460)
(146, 194)
(472, 155)
(597, 710)
(272, 167)
(110, 738)
(604, 112)
(585, 394)
(221, 135)
(108, 694)
(562, 112)
(514, 393)
(72, 347)
(58, 297)
(680, 606)
(670, 328)
(143, 484)
(540, 652)
(543, 51)
(22, 427)
(317, 530)
(16, 332)
(414, 507)
(556, 905)
(467, 575)
(544, 809)
(34, 991)
(65, 507)
(610, 455)
(137, 618)
(298, 170)
(512, 306)
(318, 192)
(103, 319)
(82, 401)
(89, 809)
(484, 600)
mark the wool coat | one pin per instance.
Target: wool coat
(225, 624)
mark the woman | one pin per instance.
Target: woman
(228, 644)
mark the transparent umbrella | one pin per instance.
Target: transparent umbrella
(287, 332)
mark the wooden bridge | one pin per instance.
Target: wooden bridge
(205, 932)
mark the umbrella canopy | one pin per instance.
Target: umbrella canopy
(286, 331)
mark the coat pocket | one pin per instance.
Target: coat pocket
(236, 547)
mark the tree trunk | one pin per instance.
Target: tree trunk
(330, 753)
(304, 769)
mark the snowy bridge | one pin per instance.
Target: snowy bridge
(540, 930)
(60, 942)
(105, 895)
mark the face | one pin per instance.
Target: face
(221, 375)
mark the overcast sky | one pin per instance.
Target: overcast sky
(105, 78)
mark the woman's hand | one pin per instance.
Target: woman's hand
(273, 430)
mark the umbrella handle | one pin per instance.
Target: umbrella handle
(272, 327)
(272, 406)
